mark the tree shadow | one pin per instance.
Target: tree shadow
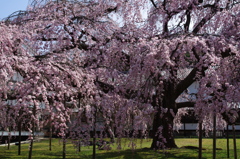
(146, 153)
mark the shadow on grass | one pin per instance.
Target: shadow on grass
(146, 153)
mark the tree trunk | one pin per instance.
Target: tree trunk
(19, 137)
(79, 145)
(9, 138)
(234, 141)
(163, 120)
(112, 136)
(50, 138)
(163, 132)
(200, 140)
(33, 134)
(79, 106)
(214, 135)
(30, 148)
(227, 141)
(64, 147)
(64, 137)
(94, 136)
(19, 132)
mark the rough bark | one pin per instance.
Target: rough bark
(164, 139)
(163, 120)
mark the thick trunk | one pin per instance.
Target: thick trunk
(163, 132)
(163, 120)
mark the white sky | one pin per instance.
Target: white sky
(7, 7)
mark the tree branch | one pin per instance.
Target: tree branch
(153, 3)
(185, 104)
(184, 84)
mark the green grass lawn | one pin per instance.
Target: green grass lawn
(142, 151)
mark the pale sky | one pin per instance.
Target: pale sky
(7, 7)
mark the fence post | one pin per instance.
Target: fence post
(234, 141)
(214, 135)
(200, 140)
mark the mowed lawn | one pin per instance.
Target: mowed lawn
(185, 151)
